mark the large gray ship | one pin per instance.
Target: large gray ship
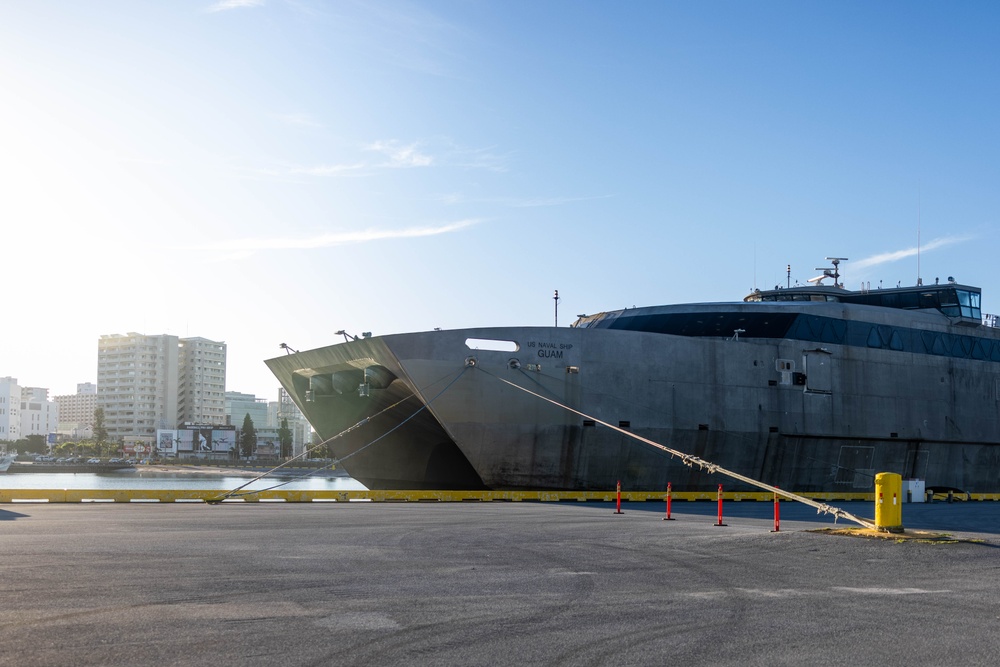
(812, 389)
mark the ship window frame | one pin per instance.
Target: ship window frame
(875, 338)
(492, 345)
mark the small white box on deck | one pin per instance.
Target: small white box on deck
(913, 490)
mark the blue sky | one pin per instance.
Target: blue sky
(275, 171)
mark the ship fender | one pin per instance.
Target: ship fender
(346, 382)
(378, 377)
(320, 385)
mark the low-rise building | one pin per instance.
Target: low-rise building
(39, 415)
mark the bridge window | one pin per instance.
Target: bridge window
(949, 303)
(969, 304)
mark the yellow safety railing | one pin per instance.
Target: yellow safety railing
(305, 496)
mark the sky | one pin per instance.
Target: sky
(273, 171)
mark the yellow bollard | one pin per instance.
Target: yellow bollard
(889, 502)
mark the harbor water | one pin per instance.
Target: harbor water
(159, 479)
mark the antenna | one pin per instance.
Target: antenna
(919, 280)
(830, 273)
(836, 269)
(556, 298)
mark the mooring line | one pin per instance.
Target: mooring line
(533, 377)
(694, 461)
(234, 493)
(400, 424)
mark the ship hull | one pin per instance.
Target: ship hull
(384, 440)
(802, 416)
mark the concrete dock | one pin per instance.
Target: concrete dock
(490, 584)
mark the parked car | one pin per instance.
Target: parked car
(93, 460)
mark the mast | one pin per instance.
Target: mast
(919, 279)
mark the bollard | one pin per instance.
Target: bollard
(720, 507)
(951, 495)
(619, 509)
(668, 517)
(777, 514)
(888, 511)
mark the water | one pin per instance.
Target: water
(158, 480)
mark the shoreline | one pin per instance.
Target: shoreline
(177, 469)
(234, 471)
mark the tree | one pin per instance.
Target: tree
(100, 432)
(248, 437)
(32, 444)
(285, 439)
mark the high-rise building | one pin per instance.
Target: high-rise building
(145, 383)
(76, 411)
(137, 384)
(202, 396)
(10, 409)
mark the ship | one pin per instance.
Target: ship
(811, 388)
(5, 462)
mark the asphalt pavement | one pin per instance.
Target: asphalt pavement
(491, 584)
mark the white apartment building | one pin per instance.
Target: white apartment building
(202, 395)
(137, 384)
(145, 383)
(10, 409)
(39, 415)
(25, 411)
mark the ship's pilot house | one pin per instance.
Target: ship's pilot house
(958, 301)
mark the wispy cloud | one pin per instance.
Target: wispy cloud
(395, 154)
(517, 202)
(408, 36)
(241, 248)
(401, 155)
(303, 119)
(226, 5)
(476, 158)
(533, 202)
(330, 169)
(382, 155)
(896, 255)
